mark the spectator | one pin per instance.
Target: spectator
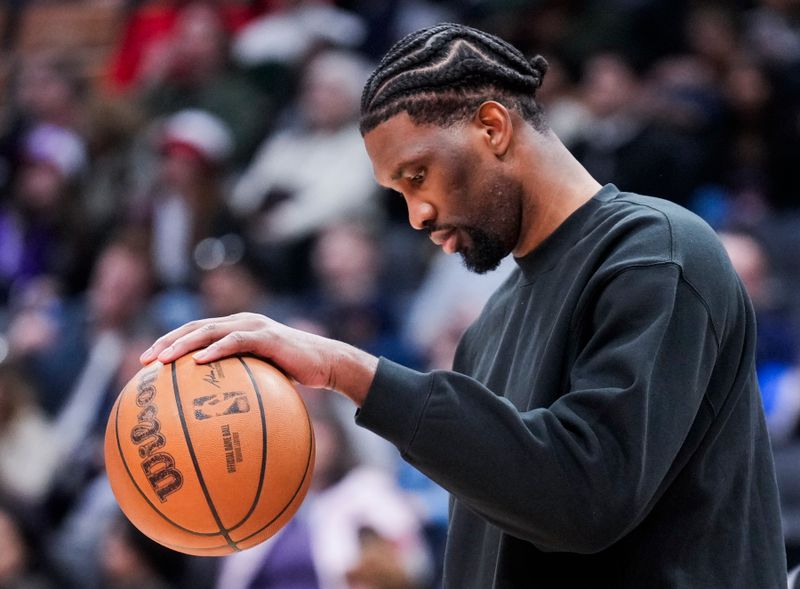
(311, 174)
(85, 515)
(131, 560)
(118, 162)
(147, 29)
(46, 90)
(75, 360)
(192, 71)
(386, 22)
(39, 225)
(349, 507)
(778, 347)
(236, 282)
(26, 438)
(349, 298)
(449, 298)
(713, 35)
(761, 146)
(771, 28)
(20, 562)
(230, 280)
(282, 562)
(566, 113)
(289, 36)
(680, 95)
(185, 203)
(620, 143)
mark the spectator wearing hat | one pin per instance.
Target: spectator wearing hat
(191, 69)
(185, 204)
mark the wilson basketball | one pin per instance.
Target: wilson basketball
(209, 459)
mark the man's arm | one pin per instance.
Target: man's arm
(579, 474)
(311, 360)
(574, 476)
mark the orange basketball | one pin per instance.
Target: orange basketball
(209, 459)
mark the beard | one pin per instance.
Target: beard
(485, 253)
(495, 235)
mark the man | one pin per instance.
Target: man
(602, 425)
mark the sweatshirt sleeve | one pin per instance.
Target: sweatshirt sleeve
(577, 475)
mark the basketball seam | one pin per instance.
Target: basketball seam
(300, 486)
(136, 485)
(196, 464)
(257, 391)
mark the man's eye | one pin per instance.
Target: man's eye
(418, 178)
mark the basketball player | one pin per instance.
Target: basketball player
(602, 426)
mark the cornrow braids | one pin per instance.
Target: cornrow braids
(441, 74)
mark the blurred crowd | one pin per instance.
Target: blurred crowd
(216, 166)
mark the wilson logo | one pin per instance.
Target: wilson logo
(159, 467)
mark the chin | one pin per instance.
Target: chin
(480, 266)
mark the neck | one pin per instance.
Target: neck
(555, 186)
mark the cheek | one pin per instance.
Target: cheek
(460, 180)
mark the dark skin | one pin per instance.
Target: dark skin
(451, 178)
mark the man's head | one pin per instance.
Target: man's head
(441, 75)
(438, 118)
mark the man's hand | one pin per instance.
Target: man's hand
(311, 360)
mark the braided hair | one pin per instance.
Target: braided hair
(441, 74)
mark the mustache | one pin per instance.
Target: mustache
(430, 227)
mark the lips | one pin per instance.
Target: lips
(446, 238)
(441, 236)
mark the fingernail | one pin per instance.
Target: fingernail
(201, 355)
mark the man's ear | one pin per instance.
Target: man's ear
(494, 122)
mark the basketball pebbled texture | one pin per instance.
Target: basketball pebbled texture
(209, 459)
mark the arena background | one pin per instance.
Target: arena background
(167, 160)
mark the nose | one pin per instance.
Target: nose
(420, 213)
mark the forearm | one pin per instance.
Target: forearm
(468, 440)
(309, 359)
(553, 476)
(353, 371)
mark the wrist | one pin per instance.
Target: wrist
(353, 373)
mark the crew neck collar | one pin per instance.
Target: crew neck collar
(547, 253)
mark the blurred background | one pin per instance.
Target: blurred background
(165, 160)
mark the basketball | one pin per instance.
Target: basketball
(209, 459)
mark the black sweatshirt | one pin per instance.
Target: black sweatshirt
(602, 426)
